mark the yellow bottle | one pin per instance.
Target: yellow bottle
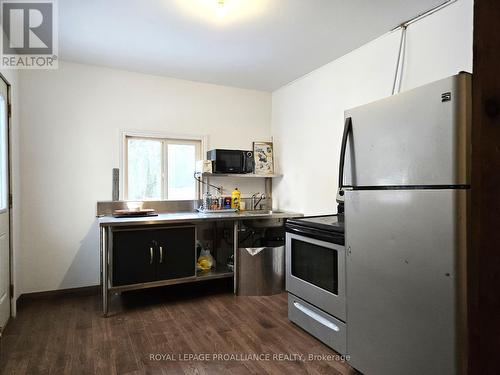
(235, 199)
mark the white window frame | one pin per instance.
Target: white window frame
(166, 138)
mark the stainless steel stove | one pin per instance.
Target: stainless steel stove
(315, 277)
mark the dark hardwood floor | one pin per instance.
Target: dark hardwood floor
(67, 335)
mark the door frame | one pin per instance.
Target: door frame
(10, 195)
(483, 275)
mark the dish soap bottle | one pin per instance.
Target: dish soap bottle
(235, 199)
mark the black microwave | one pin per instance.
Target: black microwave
(231, 161)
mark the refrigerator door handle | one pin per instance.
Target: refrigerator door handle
(345, 137)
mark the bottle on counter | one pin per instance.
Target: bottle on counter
(235, 199)
(214, 204)
(207, 201)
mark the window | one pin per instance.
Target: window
(160, 168)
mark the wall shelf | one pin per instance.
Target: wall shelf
(236, 175)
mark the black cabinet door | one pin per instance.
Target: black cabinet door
(134, 257)
(176, 252)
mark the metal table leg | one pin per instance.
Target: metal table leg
(235, 255)
(104, 270)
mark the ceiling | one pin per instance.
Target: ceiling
(255, 44)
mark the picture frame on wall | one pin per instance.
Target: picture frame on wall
(264, 158)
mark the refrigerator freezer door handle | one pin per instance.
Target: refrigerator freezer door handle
(345, 136)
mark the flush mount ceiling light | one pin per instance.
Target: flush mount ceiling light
(223, 11)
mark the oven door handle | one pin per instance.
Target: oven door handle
(316, 317)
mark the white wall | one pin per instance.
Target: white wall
(71, 123)
(307, 115)
(12, 76)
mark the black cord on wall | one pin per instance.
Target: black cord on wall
(218, 188)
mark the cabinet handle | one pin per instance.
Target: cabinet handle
(150, 255)
(161, 254)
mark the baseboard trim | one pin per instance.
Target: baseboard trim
(37, 296)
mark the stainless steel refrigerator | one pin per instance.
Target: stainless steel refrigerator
(405, 178)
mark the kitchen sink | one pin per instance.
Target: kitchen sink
(262, 212)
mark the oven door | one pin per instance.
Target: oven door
(315, 272)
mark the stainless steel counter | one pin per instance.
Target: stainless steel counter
(107, 223)
(179, 217)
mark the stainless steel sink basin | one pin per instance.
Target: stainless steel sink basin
(262, 212)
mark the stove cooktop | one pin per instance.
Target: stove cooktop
(330, 223)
